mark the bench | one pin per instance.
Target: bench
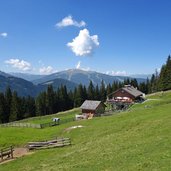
(6, 152)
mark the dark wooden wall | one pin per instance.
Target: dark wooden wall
(123, 93)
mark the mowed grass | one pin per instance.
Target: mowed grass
(139, 139)
(48, 118)
(17, 136)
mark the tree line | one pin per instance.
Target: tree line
(13, 107)
(161, 81)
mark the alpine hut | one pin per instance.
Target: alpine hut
(93, 107)
(125, 96)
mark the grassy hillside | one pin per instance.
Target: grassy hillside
(139, 139)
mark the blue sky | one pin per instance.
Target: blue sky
(113, 36)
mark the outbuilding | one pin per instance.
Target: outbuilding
(93, 107)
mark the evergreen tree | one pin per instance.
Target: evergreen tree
(109, 89)
(79, 95)
(90, 91)
(115, 86)
(97, 93)
(164, 80)
(29, 107)
(8, 100)
(41, 104)
(65, 97)
(14, 107)
(50, 96)
(168, 73)
(134, 83)
(2, 108)
(103, 92)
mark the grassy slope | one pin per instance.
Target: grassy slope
(136, 140)
(48, 118)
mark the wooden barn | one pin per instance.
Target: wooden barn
(93, 107)
(125, 96)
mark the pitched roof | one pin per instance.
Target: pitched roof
(133, 91)
(90, 104)
(130, 89)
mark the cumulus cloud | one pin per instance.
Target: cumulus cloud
(4, 34)
(19, 64)
(117, 73)
(47, 70)
(84, 44)
(69, 21)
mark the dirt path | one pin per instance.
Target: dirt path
(18, 152)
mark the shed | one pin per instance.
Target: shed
(93, 107)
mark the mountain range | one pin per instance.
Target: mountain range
(83, 77)
(29, 84)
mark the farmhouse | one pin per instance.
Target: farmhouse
(93, 107)
(124, 96)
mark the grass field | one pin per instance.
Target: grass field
(48, 118)
(139, 139)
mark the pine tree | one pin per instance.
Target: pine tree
(50, 95)
(41, 104)
(8, 100)
(97, 93)
(29, 107)
(109, 89)
(168, 73)
(2, 108)
(79, 95)
(91, 91)
(65, 97)
(134, 83)
(103, 92)
(115, 86)
(14, 107)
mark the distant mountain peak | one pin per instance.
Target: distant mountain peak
(82, 76)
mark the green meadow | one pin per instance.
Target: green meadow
(138, 139)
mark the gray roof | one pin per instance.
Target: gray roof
(133, 91)
(90, 104)
(130, 89)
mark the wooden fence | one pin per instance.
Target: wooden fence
(17, 124)
(49, 124)
(6, 153)
(40, 126)
(59, 142)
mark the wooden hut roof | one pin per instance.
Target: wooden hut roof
(90, 104)
(133, 91)
(129, 89)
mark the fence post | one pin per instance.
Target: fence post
(12, 152)
(63, 141)
(1, 155)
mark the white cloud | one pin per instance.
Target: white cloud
(84, 44)
(47, 70)
(69, 21)
(4, 34)
(19, 64)
(78, 66)
(117, 73)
